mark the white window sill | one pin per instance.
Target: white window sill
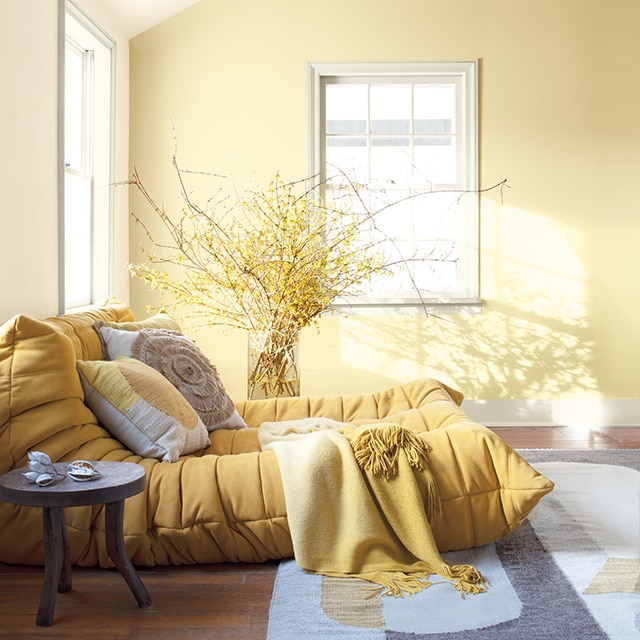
(434, 306)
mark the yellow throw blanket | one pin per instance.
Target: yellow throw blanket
(359, 500)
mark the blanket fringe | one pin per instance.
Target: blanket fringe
(465, 578)
(398, 585)
(377, 447)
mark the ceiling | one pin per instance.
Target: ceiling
(140, 15)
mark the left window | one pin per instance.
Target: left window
(86, 221)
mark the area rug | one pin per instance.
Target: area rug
(571, 571)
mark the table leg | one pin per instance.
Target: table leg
(64, 585)
(57, 567)
(114, 512)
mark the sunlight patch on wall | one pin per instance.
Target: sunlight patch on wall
(532, 339)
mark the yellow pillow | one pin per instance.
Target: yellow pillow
(141, 408)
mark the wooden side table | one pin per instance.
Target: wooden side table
(116, 482)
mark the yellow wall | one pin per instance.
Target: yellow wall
(559, 117)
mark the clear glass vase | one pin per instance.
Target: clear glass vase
(274, 365)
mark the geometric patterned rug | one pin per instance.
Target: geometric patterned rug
(571, 571)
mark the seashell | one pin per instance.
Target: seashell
(41, 469)
(45, 479)
(81, 464)
(82, 470)
(39, 456)
(38, 467)
(39, 462)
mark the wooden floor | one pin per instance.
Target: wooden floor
(203, 602)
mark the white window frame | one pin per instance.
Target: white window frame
(467, 299)
(97, 167)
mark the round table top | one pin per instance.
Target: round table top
(117, 481)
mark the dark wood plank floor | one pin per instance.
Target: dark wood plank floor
(204, 602)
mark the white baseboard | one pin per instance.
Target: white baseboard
(582, 412)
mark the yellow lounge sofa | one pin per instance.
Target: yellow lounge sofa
(225, 502)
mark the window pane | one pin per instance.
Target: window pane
(440, 271)
(435, 159)
(346, 108)
(347, 154)
(391, 108)
(73, 96)
(77, 238)
(88, 181)
(435, 215)
(434, 108)
(390, 160)
(395, 224)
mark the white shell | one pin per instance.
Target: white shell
(82, 470)
(41, 469)
(45, 479)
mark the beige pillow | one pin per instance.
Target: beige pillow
(181, 362)
(141, 408)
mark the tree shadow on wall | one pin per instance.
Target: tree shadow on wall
(523, 346)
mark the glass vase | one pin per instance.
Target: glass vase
(274, 365)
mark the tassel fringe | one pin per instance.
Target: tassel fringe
(399, 585)
(465, 578)
(377, 448)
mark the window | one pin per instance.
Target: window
(408, 132)
(86, 223)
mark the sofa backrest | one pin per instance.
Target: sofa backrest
(78, 327)
(41, 399)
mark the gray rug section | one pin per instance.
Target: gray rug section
(551, 609)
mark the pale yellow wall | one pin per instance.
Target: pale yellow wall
(559, 117)
(28, 182)
(28, 154)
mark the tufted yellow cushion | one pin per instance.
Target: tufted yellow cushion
(487, 489)
(78, 327)
(160, 320)
(41, 399)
